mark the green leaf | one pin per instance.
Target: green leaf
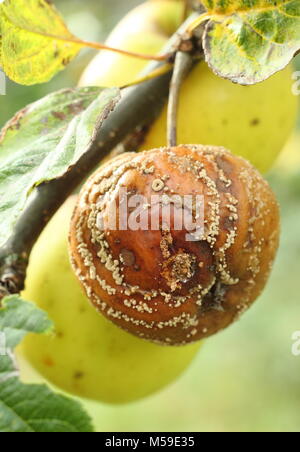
(31, 408)
(18, 317)
(34, 41)
(8, 366)
(35, 408)
(44, 140)
(247, 41)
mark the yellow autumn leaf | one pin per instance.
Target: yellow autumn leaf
(235, 6)
(247, 41)
(34, 41)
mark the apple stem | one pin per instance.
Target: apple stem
(98, 46)
(143, 56)
(183, 64)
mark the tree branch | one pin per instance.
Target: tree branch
(139, 106)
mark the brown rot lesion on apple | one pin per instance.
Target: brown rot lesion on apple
(186, 289)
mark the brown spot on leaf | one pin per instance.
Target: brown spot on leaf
(66, 61)
(14, 123)
(59, 115)
(75, 108)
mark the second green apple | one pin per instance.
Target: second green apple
(87, 355)
(253, 122)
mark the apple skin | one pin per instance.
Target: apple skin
(145, 29)
(253, 122)
(88, 356)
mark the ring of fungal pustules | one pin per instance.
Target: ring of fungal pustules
(168, 284)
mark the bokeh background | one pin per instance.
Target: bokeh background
(246, 378)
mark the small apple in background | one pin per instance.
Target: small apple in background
(145, 29)
(87, 355)
(253, 122)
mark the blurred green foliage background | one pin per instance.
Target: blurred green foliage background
(245, 378)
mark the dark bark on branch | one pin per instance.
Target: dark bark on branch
(139, 106)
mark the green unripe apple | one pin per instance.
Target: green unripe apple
(253, 122)
(145, 29)
(87, 355)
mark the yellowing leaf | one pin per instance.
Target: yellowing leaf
(34, 41)
(247, 41)
(234, 6)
